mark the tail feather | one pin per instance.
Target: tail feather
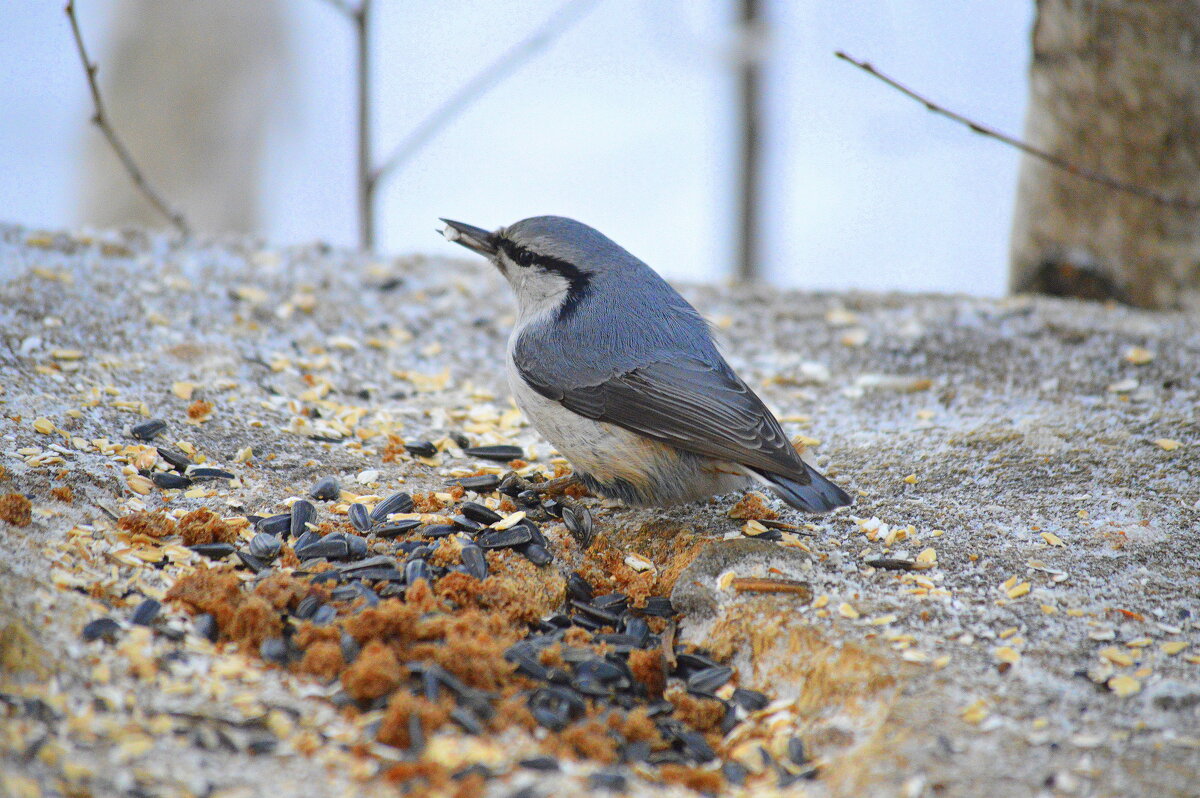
(819, 495)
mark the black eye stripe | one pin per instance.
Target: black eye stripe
(578, 281)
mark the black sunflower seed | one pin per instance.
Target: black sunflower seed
(511, 484)
(688, 662)
(460, 439)
(213, 551)
(396, 503)
(421, 449)
(475, 561)
(417, 569)
(578, 588)
(484, 483)
(207, 472)
(505, 538)
(308, 537)
(105, 629)
(609, 780)
(613, 602)
(709, 680)
(796, 752)
(303, 514)
(537, 554)
(594, 613)
(145, 613)
(265, 546)
(206, 627)
(274, 649)
(750, 700)
(467, 720)
(437, 530)
(307, 606)
(324, 615)
(636, 628)
(326, 490)
(357, 546)
(500, 454)
(396, 528)
(278, 525)
(170, 481)
(578, 520)
(176, 460)
(148, 430)
(359, 516)
(529, 498)
(250, 561)
(658, 607)
(349, 646)
(479, 513)
(696, 746)
(734, 772)
(543, 763)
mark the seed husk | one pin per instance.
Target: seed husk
(437, 530)
(396, 503)
(250, 561)
(500, 454)
(578, 588)
(578, 520)
(475, 561)
(148, 430)
(326, 490)
(750, 700)
(709, 680)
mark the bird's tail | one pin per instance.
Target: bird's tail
(817, 495)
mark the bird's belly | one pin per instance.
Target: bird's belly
(621, 464)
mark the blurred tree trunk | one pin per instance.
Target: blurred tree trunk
(1115, 87)
(191, 87)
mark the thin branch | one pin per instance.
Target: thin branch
(366, 177)
(1054, 160)
(486, 79)
(100, 119)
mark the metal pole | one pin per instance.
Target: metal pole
(749, 102)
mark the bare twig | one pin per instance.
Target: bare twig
(489, 77)
(100, 120)
(1054, 160)
(367, 178)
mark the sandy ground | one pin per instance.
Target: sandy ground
(1040, 457)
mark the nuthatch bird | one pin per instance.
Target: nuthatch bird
(622, 376)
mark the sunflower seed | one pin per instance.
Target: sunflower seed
(308, 537)
(734, 772)
(537, 554)
(475, 561)
(396, 528)
(207, 472)
(250, 561)
(417, 569)
(170, 481)
(578, 520)
(466, 524)
(278, 525)
(467, 720)
(213, 551)
(709, 680)
(148, 430)
(614, 602)
(500, 454)
(105, 629)
(484, 483)
(174, 459)
(307, 606)
(796, 752)
(324, 615)
(206, 627)
(326, 490)
(396, 503)
(609, 780)
(658, 607)
(264, 546)
(594, 613)
(696, 746)
(750, 700)
(578, 588)
(504, 538)
(145, 613)
(529, 498)
(421, 449)
(274, 649)
(360, 518)
(541, 762)
(303, 514)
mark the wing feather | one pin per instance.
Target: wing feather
(700, 407)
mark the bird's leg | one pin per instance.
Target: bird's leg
(576, 517)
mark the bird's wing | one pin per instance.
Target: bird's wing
(690, 404)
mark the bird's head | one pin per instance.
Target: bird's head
(551, 262)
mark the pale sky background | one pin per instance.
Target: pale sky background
(626, 123)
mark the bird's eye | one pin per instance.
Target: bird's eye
(525, 257)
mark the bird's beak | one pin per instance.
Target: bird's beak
(473, 238)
